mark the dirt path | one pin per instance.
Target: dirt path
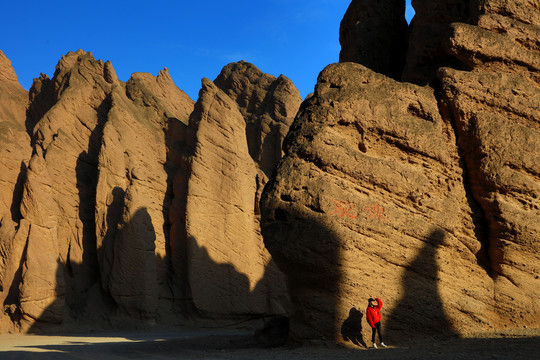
(220, 344)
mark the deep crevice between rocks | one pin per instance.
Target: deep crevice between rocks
(479, 217)
(87, 175)
(12, 304)
(16, 215)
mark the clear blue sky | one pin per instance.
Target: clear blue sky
(194, 39)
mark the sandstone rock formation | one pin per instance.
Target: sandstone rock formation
(15, 143)
(97, 226)
(371, 177)
(496, 111)
(133, 192)
(15, 153)
(429, 31)
(128, 204)
(253, 112)
(424, 196)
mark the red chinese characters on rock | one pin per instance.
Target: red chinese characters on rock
(344, 208)
(347, 209)
(375, 211)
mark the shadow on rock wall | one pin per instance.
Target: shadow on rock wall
(307, 252)
(112, 219)
(220, 291)
(420, 311)
(351, 330)
(131, 300)
(18, 193)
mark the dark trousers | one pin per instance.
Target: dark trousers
(377, 329)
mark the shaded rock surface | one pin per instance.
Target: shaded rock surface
(252, 112)
(374, 34)
(370, 178)
(15, 152)
(15, 148)
(134, 194)
(129, 205)
(429, 32)
(496, 111)
(424, 196)
(95, 201)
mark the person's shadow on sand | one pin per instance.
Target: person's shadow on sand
(351, 330)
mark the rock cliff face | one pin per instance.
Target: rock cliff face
(15, 152)
(426, 197)
(104, 191)
(496, 111)
(253, 112)
(411, 174)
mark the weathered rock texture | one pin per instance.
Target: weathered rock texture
(133, 192)
(104, 189)
(429, 31)
(427, 197)
(229, 168)
(496, 111)
(15, 153)
(127, 204)
(15, 148)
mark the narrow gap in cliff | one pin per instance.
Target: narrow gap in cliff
(16, 215)
(479, 218)
(409, 11)
(178, 169)
(41, 99)
(69, 267)
(87, 175)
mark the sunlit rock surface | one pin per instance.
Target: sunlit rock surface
(424, 196)
(104, 183)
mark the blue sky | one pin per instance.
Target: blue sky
(193, 39)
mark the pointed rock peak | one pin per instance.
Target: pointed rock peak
(43, 77)
(160, 93)
(207, 85)
(164, 72)
(109, 73)
(37, 85)
(4, 61)
(242, 66)
(234, 75)
(68, 61)
(6, 70)
(246, 84)
(164, 77)
(284, 82)
(81, 69)
(86, 60)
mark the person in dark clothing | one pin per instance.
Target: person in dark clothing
(373, 316)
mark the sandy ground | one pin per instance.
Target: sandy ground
(235, 344)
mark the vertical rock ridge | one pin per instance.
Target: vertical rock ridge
(94, 224)
(240, 120)
(15, 152)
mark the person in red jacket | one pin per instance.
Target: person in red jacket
(373, 316)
